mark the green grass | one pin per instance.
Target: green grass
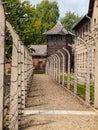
(92, 93)
(39, 72)
(71, 87)
(81, 90)
(65, 77)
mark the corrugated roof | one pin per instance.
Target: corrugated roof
(39, 50)
(57, 29)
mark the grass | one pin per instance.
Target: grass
(65, 77)
(39, 72)
(92, 93)
(81, 90)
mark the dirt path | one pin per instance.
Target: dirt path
(53, 108)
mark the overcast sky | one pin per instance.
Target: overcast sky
(78, 6)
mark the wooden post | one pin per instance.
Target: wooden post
(2, 57)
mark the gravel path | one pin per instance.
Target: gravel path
(47, 95)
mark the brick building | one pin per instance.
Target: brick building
(86, 48)
(39, 56)
(83, 29)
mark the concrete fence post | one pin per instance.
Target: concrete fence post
(58, 68)
(88, 76)
(25, 67)
(19, 78)
(54, 66)
(68, 69)
(75, 71)
(14, 81)
(22, 76)
(2, 60)
(96, 75)
(63, 66)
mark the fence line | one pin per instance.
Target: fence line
(21, 78)
(2, 60)
(84, 80)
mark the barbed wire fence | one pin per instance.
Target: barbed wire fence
(2, 60)
(21, 79)
(84, 81)
(15, 89)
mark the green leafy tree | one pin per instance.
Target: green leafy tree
(47, 14)
(21, 16)
(30, 22)
(69, 20)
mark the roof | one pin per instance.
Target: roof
(39, 50)
(57, 29)
(81, 22)
(91, 6)
(90, 11)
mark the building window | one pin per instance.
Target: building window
(49, 37)
(59, 37)
(40, 62)
(94, 21)
(54, 38)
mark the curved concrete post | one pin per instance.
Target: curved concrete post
(50, 67)
(47, 67)
(55, 66)
(14, 80)
(96, 75)
(75, 72)
(89, 64)
(63, 67)
(23, 75)
(68, 73)
(2, 58)
(58, 68)
(56, 58)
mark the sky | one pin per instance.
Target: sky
(80, 7)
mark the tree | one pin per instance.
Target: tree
(69, 20)
(21, 16)
(30, 22)
(47, 14)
